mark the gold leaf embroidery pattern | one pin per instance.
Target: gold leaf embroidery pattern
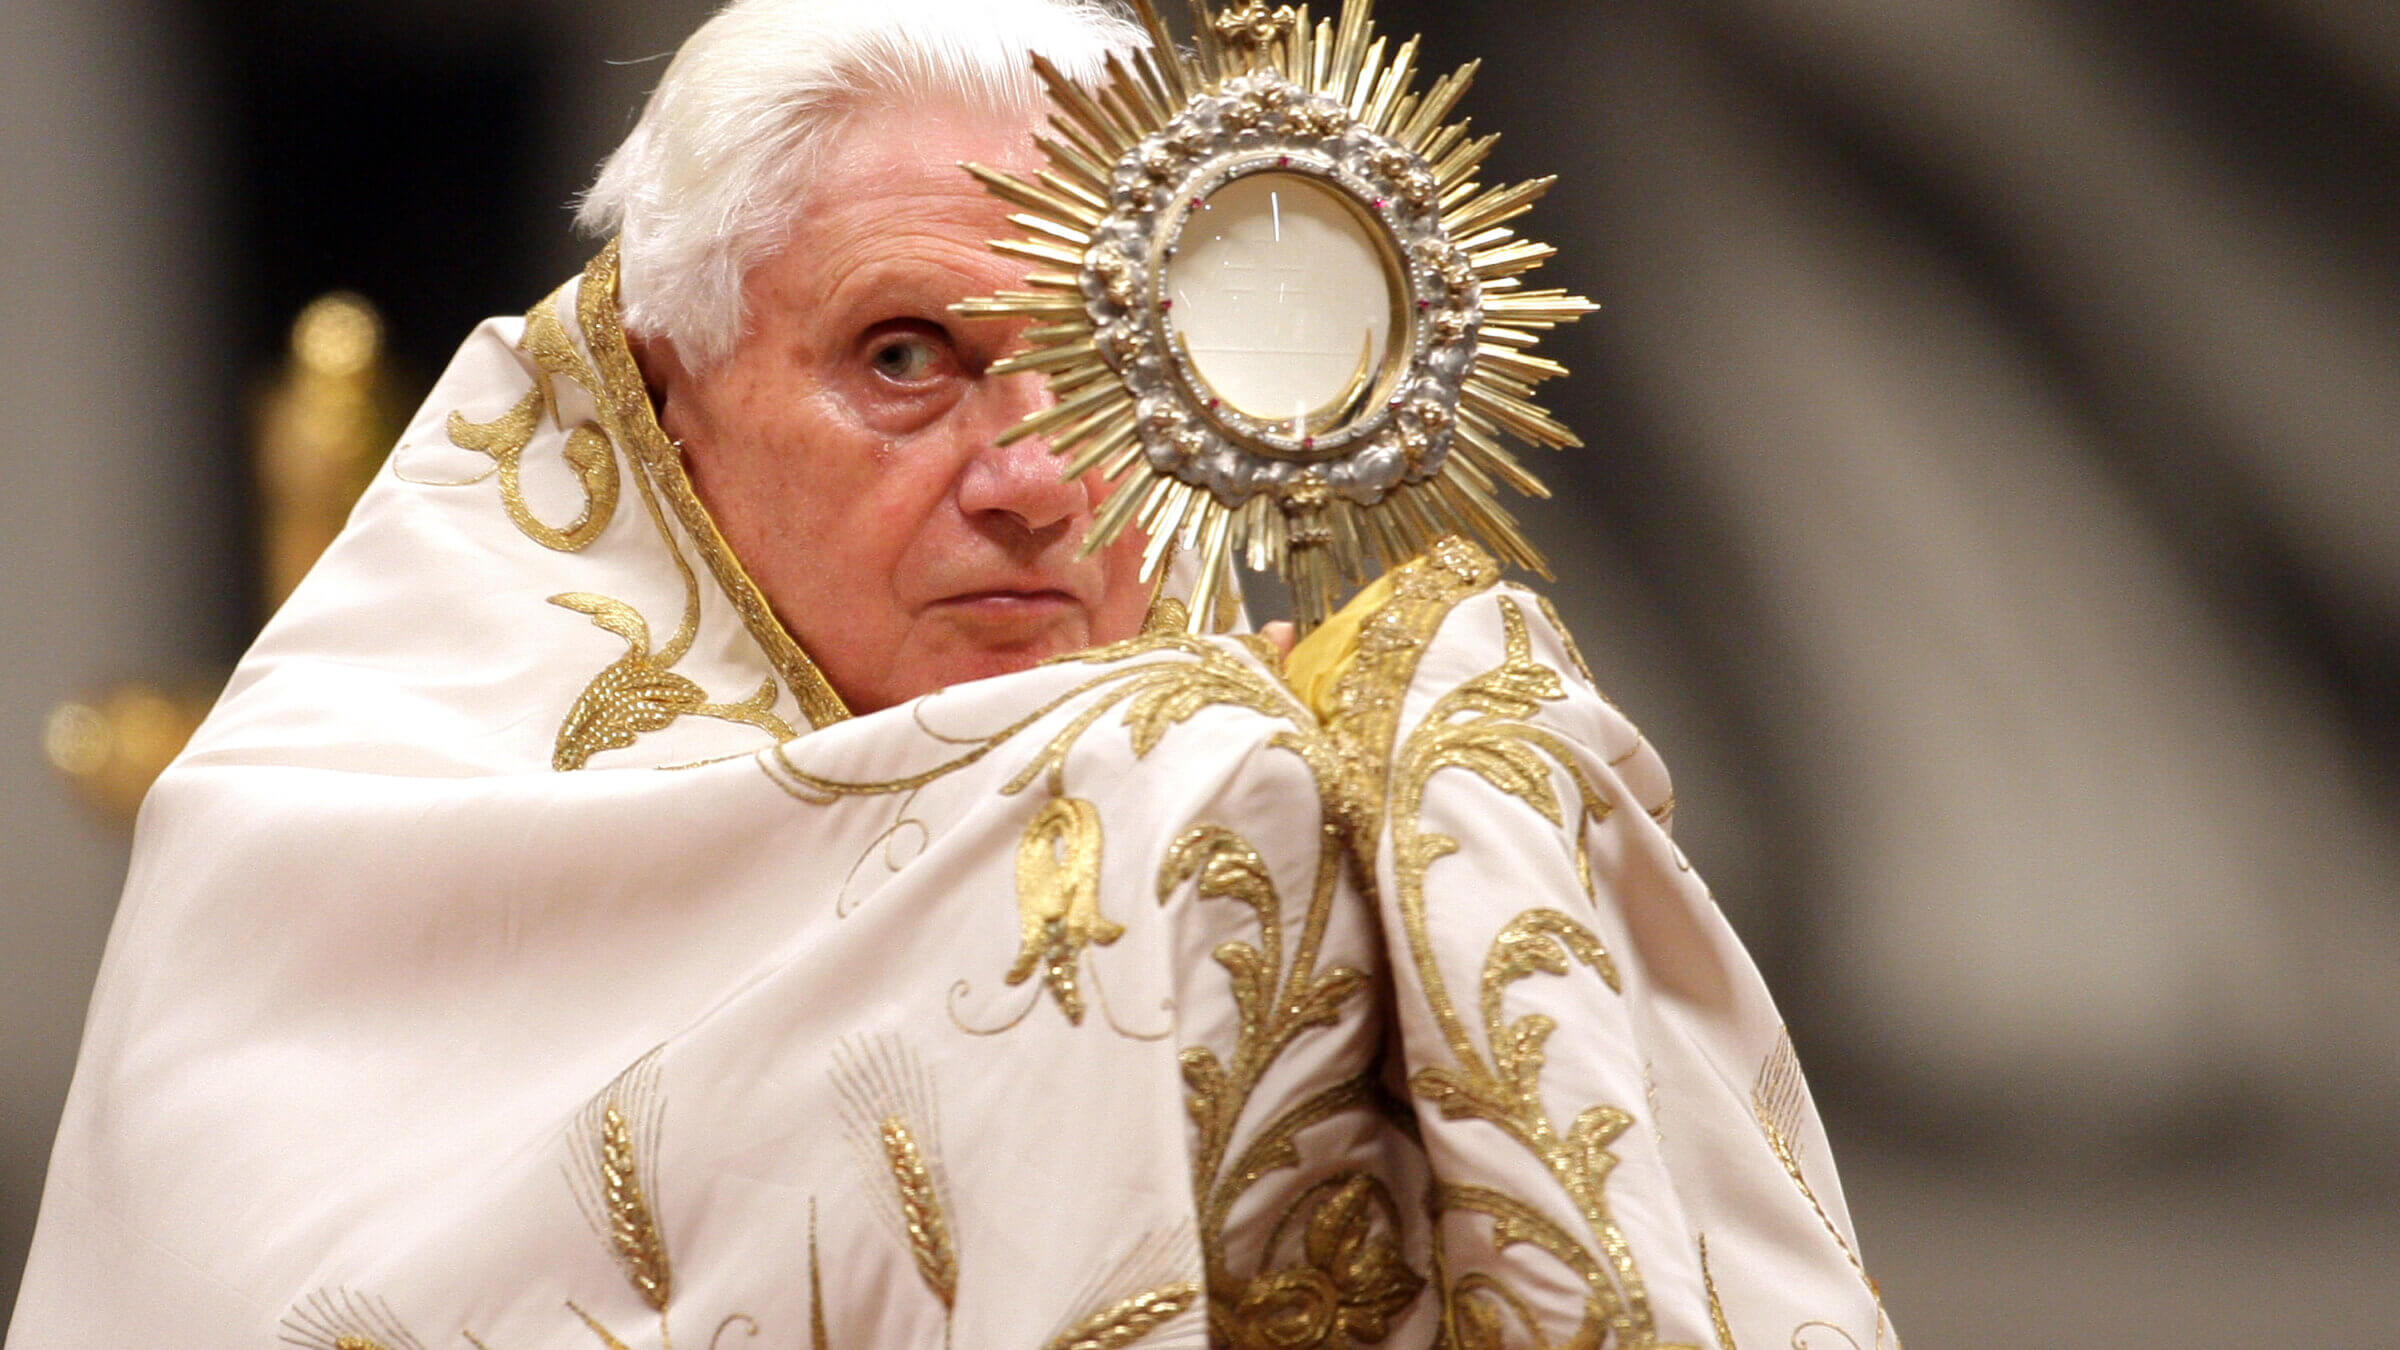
(1298, 1305)
(1278, 989)
(1058, 900)
(1348, 1284)
(641, 692)
(1481, 727)
(638, 693)
(884, 1088)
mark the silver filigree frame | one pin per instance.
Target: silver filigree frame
(1263, 123)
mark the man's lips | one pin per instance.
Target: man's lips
(1010, 596)
(1010, 611)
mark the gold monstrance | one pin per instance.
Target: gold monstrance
(1276, 307)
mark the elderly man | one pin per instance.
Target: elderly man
(645, 884)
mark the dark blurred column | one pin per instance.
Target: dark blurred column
(110, 554)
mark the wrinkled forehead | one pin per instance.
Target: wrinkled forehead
(916, 143)
(910, 147)
(891, 212)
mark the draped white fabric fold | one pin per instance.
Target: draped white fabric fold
(500, 968)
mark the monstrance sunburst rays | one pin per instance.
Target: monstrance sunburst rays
(1411, 450)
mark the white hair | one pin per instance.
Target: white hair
(708, 182)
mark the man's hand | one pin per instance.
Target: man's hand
(1283, 635)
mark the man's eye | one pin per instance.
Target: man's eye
(906, 360)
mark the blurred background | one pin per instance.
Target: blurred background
(1992, 508)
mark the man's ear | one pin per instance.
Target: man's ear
(664, 375)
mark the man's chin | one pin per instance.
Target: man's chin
(966, 664)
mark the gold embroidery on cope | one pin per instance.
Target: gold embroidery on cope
(1058, 900)
(1348, 1276)
(929, 1240)
(888, 1110)
(1140, 1294)
(1167, 615)
(587, 451)
(638, 693)
(1778, 1099)
(625, 408)
(1566, 640)
(1349, 1281)
(1716, 1308)
(641, 692)
(339, 1319)
(1129, 1319)
(1482, 727)
(613, 1166)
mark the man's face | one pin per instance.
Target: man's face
(847, 448)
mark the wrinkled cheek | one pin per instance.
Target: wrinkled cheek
(1126, 598)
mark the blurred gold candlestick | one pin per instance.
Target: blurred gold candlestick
(321, 430)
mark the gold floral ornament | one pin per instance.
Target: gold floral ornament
(1275, 305)
(1349, 1284)
(1058, 900)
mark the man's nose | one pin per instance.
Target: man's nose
(1019, 480)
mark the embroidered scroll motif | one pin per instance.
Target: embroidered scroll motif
(1058, 900)
(638, 693)
(1482, 727)
(641, 692)
(1348, 1277)
(1351, 1278)
(1348, 1283)
(587, 451)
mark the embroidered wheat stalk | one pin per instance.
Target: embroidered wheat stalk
(1777, 1099)
(1129, 1320)
(612, 1165)
(631, 1228)
(338, 1319)
(921, 1210)
(816, 1286)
